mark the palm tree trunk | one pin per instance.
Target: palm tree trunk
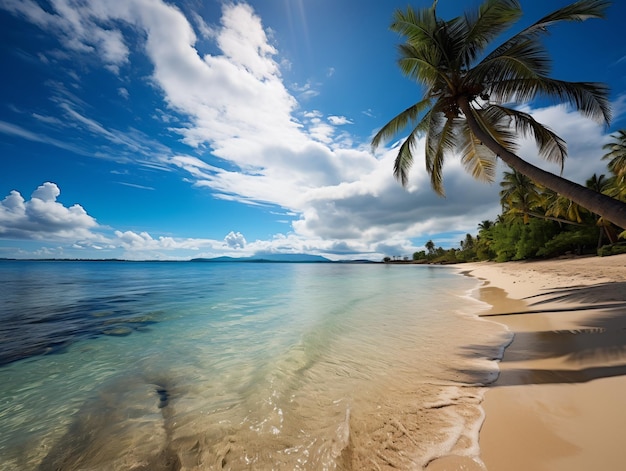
(607, 207)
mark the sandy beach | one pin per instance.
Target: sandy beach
(558, 403)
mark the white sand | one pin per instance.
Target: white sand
(559, 401)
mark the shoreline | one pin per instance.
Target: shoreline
(558, 401)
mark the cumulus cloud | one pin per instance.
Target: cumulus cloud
(235, 240)
(43, 217)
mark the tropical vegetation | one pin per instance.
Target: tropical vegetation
(537, 223)
(469, 107)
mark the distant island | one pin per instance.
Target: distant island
(258, 258)
(270, 257)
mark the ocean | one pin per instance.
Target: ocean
(240, 366)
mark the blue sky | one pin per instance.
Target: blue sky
(171, 130)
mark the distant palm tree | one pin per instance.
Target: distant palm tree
(468, 242)
(617, 154)
(562, 209)
(464, 105)
(598, 183)
(519, 195)
(485, 225)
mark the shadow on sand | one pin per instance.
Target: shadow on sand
(595, 348)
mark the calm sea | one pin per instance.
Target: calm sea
(256, 366)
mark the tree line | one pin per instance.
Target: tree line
(536, 222)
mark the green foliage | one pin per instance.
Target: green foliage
(579, 241)
(421, 255)
(534, 237)
(518, 241)
(614, 249)
(505, 237)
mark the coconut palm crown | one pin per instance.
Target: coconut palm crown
(617, 154)
(468, 92)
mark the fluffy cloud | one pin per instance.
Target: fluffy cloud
(235, 240)
(339, 120)
(143, 241)
(43, 217)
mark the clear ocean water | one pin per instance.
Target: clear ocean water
(240, 366)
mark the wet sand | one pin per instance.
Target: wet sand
(558, 403)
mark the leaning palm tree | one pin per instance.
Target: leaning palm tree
(464, 107)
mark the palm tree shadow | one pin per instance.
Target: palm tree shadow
(596, 349)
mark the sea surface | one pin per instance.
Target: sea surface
(240, 366)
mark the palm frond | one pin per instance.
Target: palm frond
(451, 38)
(441, 138)
(416, 25)
(619, 141)
(419, 27)
(498, 126)
(422, 65)
(401, 121)
(560, 207)
(551, 147)
(477, 158)
(616, 153)
(483, 25)
(578, 11)
(522, 60)
(404, 160)
(590, 98)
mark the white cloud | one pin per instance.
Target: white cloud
(338, 120)
(139, 245)
(78, 28)
(43, 217)
(235, 240)
(14, 130)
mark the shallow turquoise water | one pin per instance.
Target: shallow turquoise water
(111, 365)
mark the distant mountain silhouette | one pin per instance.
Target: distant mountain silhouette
(270, 257)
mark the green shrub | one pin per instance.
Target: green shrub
(579, 241)
(613, 249)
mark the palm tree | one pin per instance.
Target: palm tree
(562, 209)
(485, 225)
(617, 154)
(464, 105)
(519, 195)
